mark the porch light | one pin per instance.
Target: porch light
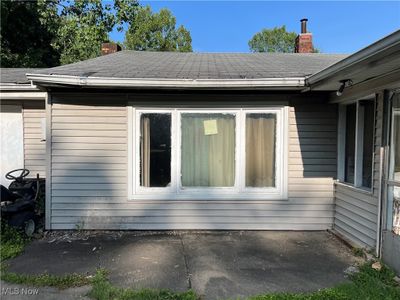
(344, 83)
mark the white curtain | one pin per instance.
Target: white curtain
(208, 155)
(260, 150)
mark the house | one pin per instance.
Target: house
(367, 185)
(157, 140)
(22, 124)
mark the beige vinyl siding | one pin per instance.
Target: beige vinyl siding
(356, 215)
(356, 211)
(89, 177)
(34, 146)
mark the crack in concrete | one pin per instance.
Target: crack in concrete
(188, 275)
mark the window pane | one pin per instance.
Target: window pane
(350, 143)
(260, 150)
(155, 150)
(368, 142)
(208, 150)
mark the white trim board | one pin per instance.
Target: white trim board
(19, 95)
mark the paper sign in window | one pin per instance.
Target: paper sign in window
(210, 127)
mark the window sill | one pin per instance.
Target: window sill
(356, 189)
(199, 197)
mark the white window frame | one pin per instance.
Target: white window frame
(239, 191)
(392, 182)
(359, 145)
(199, 190)
(141, 190)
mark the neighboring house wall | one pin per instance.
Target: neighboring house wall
(89, 175)
(33, 111)
(356, 210)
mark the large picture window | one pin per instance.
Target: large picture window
(208, 154)
(356, 143)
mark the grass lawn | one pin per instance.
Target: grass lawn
(368, 284)
(12, 242)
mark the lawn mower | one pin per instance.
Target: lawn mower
(19, 201)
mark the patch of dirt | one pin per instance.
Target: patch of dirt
(57, 236)
(77, 235)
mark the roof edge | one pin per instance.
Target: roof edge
(28, 87)
(42, 79)
(383, 44)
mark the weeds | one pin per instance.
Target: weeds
(12, 243)
(61, 282)
(104, 290)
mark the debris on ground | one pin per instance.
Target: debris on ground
(73, 235)
(397, 279)
(369, 256)
(351, 270)
(83, 235)
(376, 266)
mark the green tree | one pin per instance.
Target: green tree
(27, 32)
(43, 33)
(273, 40)
(157, 32)
(85, 25)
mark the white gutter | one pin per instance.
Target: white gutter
(26, 95)
(369, 51)
(294, 82)
(18, 87)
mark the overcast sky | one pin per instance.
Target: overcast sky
(227, 26)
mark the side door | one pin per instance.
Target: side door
(12, 140)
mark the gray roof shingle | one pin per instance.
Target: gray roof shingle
(16, 75)
(175, 65)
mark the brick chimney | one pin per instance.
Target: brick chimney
(108, 48)
(304, 39)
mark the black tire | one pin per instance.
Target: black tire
(24, 221)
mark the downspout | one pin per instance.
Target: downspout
(379, 219)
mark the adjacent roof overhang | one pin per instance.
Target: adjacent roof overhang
(18, 87)
(23, 95)
(377, 59)
(296, 83)
(18, 91)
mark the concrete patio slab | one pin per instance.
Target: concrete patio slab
(216, 264)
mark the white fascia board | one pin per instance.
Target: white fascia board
(383, 44)
(18, 87)
(294, 82)
(23, 95)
